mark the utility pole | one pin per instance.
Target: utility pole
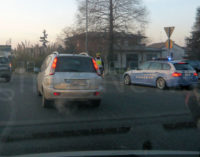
(111, 38)
(86, 35)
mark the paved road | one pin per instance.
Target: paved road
(19, 102)
(145, 112)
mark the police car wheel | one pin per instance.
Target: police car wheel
(160, 83)
(8, 79)
(127, 80)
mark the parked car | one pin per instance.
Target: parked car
(162, 74)
(195, 64)
(69, 77)
(5, 68)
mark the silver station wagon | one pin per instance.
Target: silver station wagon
(69, 77)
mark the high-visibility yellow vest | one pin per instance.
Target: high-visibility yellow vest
(99, 62)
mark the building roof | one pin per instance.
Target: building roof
(140, 48)
(157, 45)
(161, 45)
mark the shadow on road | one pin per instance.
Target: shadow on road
(71, 107)
(2, 80)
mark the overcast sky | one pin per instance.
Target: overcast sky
(23, 20)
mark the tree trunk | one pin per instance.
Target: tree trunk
(111, 38)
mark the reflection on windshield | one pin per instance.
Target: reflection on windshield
(99, 75)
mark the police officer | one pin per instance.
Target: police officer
(100, 63)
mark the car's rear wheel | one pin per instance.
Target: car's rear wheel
(38, 91)
(8, 79)
(95, 103)
(127, 80)
(45, 103)
(198, 75)
(161, 83)
(189, 87)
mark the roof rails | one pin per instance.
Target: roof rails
(56, 52)
(84, 53)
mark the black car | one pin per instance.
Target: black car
(5, 68)
(195, 64)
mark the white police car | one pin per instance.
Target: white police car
(162, 74)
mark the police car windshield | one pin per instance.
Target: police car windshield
(183, 66)
(74, 64)
(3, 60)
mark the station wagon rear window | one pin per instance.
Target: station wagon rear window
(74, 64)
(183, 66)
(3, 60)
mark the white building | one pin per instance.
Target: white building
(177, 51)
(130, 57)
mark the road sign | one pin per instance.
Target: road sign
(169, 31)
(169, 44)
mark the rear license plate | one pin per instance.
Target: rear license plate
(77, 82)
(187, 75)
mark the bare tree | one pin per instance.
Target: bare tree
(67, 37)
(26, 52)
(128, 16)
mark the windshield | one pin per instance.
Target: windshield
(99, 76)
(75, 64)
(183, 66)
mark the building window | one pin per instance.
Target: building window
(150, 56)
(115, 57)
(119, 42)
(126, 43)
(132, 61)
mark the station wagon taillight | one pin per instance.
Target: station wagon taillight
(176, 74)
(56, 94)
(195, 74)
(97, 93)
(53, 66)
